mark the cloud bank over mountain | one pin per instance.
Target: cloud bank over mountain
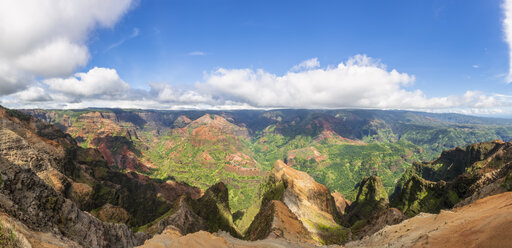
(359, 82)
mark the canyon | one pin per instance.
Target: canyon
(112, 179)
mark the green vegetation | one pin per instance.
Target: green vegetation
(201, 166)
(213, 207)
(371, 198)
(243, 222)
(343, 165)
(442, 183)
(266, 192)
(332, 234)
(419, 195)
(434, 141)
(8, 238)
(507, 184)
(145, 227)
(370, 143)
(358, 226)
(388, 152)
(18, 114)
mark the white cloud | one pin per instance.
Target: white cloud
(507, 29)
(168, 94)
(33, 94)
(57, 58)
(97, 82)
(47, 38)
(196, 53)
(12, 79)
(103, 87)
(361, 82)
(476, 66)
(307, 64)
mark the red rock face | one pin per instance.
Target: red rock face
(113, 140)
(107, 154)
(215, 131)
(207, 130)
(310, 201)
(340, 201)
(335, 138)
(304, 187)
(121, 157)
(307, 153)
(242, 164)
(275, 220)
(171, 190)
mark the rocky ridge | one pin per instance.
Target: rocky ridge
(310, 202)
(26, 197)
(51, 185)
(459, 176)
(47, 178)
(484, 223)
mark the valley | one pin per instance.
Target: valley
(255, 124)
(130, 178)
(338, 148)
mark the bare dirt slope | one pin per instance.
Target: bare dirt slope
(484, 223)
(202, 239)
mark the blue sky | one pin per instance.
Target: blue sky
(437, 41)
(453, 55)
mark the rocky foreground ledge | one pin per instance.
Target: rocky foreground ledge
(485, 223)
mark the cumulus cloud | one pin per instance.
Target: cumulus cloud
(307, 64)
(507, 29)
(57, 58)
(168, 94)
(12, 79)
(97, 82)
(159, 96)
(47, 38)
(33, 94)
(360, 82)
